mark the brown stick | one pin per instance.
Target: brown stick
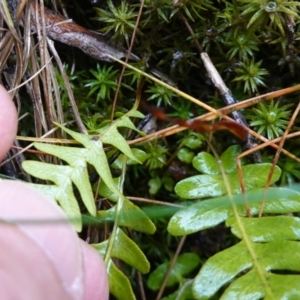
(66, 31)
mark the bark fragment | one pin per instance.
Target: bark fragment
(66, 31)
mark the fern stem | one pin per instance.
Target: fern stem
(246, 239)
(118, 212)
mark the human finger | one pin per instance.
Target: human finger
(55, 242)
(8, 122)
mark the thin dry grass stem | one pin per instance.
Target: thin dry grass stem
(10, 37)
(279, 148)
(175, 129)
(242, 185)
(145, 200)
(50, 87)
(272, 143)
(28, 151)
(41, 34)
(216, 113)
(22, 49)
(168, 86)
(56, 98)
(4, 10)
(49, 81)
(126, 60)
(34, 91)
(62, 7)
(67, 84)
(191, 31)
(11, 41)
(28, 80)
(27, 147)
(141, 286)
(277, 154)
(20, 8)
(257, 99)
(27, 40)
(47, 140)
(172, 264)
(213, 113)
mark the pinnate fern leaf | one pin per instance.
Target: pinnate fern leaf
(75, 172)
(63, 176)
(266, 262)
(258, 266)
(209, 213)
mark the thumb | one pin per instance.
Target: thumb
(8, 122)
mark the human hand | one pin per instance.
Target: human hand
(40, 261)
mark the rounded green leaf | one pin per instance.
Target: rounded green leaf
(206, 163)
(168, 183)
(228, 158)
(139, 154)
(255, 177)
(154, 185)
(185, 264)
(200, 186)
(194, 140)
(185, 155)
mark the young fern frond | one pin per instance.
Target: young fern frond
(267, 244)
(76, 171)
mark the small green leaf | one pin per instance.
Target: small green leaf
(127, 250)
(228, 158)
(130, 216)
(200, 186)
(205, 163)
(154, 185)
(112, 136)
(267, 229)
(135, 114)
(106, 192)
(209, 213)
(194, 140)
(185, 155)
(100, 247)
(119, 284)
(140, 157)
(185, 264)
(168, 183)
